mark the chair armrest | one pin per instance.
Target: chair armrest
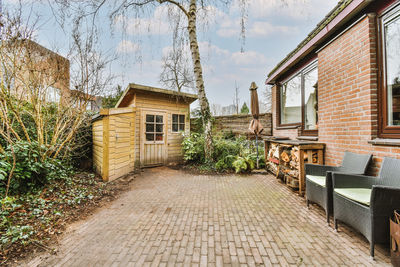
(348, 180)
(319, 170)
(384, 199)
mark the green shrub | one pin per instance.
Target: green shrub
(193, 148)
(30, 171)
(230, 152)
(225, 163)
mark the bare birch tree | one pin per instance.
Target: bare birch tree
(178, 9)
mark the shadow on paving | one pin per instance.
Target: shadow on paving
(171, 217)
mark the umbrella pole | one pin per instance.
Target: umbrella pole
(257, 148)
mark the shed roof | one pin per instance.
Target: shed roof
(339, 15)
(135, 88)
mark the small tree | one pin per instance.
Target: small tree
(109, 101)
(244, 109)
(176, 72)
(36, 105)
(236, 98)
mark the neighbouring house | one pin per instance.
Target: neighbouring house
(341, 85)
(32, 66)
(93, 103)
(144, 129)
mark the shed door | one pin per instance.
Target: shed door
(153, 138)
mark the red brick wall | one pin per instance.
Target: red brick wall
(347, 95)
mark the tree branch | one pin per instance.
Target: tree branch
(176, 4)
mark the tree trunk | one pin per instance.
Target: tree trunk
(198, 72)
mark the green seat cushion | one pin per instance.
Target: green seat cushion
(360, 195)
(320, 180)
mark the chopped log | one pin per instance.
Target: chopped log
(285, 157)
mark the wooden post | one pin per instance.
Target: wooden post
(106, 142)
(301, 171)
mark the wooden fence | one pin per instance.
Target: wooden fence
(238, 124)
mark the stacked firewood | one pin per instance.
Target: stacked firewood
(272, 161)
(284, 162)
(290, 161)
(314, 157)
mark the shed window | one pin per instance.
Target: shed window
(390, 110)
(178, 122)
(299, 100)
(154, 127)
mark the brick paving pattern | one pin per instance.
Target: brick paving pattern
(173, 218)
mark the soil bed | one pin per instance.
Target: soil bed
(32, 223)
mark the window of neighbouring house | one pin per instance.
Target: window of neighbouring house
(390, 108)
(178, 122)
(53, 94)
(299, 100)
(290, 100)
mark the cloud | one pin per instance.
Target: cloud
(155, 24)
(263, 29)
(127, 47)
(230, 28)
(292, 9)
(248, 58)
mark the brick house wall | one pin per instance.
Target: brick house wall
(347, 96)
(347, 76)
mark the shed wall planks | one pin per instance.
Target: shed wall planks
(113, 143)
(147, 102)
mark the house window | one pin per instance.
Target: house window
(154, 127)
(178, 122)
(390, 109)
(299, 100)
(291, 101)
(310, 99)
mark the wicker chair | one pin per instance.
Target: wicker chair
(366, 203)
(319, 179)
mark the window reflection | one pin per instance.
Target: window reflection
(310, 99)
(291, 101)
(392, 47)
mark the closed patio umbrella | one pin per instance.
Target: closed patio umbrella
(255, 125)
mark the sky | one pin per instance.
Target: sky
(273, 29)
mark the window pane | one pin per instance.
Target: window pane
(149, 118)
(159, 118)
(149, 128)
(159, 137)
(159, 128)
(174, 117)
(291, 101)
(310, 100)
(181, 127)
(174, 127)
(149, 137)
(181, 118)
(392, 43)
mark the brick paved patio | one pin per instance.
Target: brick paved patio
(174, 218)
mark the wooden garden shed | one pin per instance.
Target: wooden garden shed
(144, 129)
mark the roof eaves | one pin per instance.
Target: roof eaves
(317, 30)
